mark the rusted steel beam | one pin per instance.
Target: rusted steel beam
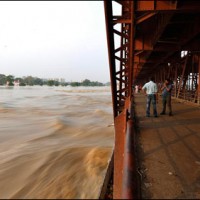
(144, 17)
(121, 71)
(142, 43)
(110, 45)
(132, 47)
(123, 47)
(148, 42)
(189, 40)
(155, 5)
(191, 33)
(121, 34)
(122, 21)
(120, 122)
(167, 6)
(141, 46)
(129, 176)
(184, 41)
(191, 5)
(162, 22)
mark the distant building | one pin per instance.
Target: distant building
(16, 83)
(62, 80)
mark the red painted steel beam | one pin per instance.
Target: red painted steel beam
(120, 122)
(129, 175)
(132, 47)
(167, 6)
(121, 79)
(155, 5)
(121, 58)
(110, 45)
(144, 17)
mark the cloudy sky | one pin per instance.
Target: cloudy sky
(54, 39)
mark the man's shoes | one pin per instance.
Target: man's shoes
(156, 116)
(170, 114)
(147, 115)
(162, 113)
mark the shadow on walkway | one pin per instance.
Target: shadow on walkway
(168, 151)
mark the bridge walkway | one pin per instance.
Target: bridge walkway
(168, 151)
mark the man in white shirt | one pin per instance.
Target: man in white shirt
(151, 91)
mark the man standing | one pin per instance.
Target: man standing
(151, 91)
(166, 97)
(136, 88)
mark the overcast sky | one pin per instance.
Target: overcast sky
(54, 39)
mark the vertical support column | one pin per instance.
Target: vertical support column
(185, 79)
(110, 45)
(121, 73)
(193, 97)
(175, 78)
(131, 43)
(198, 89)
(182, 77)
(193, 63)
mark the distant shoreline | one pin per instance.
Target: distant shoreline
(10, 80)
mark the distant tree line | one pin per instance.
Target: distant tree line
(30, 81)
(87, 82)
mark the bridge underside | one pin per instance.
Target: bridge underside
(156, 38)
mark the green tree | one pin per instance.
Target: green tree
(10, 79)
(38, 81)
(2, 79)
(50, 82)
(86, 82)
(56, 83)
(75, 84)
(21, 81)
(29, 80)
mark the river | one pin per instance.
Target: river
(55, 142)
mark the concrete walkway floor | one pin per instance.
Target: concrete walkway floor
(168, 151)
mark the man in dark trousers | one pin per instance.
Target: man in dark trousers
(151, 91)
(166, 97)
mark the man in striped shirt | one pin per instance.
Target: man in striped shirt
(166, 96)
(151, 91)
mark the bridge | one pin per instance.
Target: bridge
(158, 38)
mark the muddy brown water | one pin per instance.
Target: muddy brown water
(55, 142)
